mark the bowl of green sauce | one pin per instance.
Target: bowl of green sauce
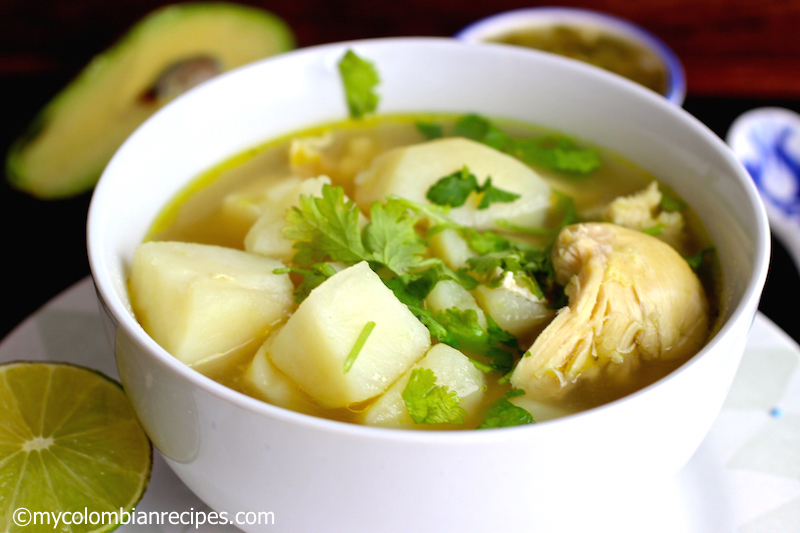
(605, 41)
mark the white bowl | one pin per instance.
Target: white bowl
(501, 24)
(239, 454)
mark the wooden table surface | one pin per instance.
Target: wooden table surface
(738, 54)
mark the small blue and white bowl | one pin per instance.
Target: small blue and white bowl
(767, 141)
(501, 24)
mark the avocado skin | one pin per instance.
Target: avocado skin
(57, 183)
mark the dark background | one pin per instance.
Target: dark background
(738, 54)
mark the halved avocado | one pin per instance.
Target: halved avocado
(67, 146)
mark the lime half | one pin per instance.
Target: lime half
(71, 448)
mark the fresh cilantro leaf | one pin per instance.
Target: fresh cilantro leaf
(358, 346)
(467, 334)
(484, 242)
(472, 127)
(492, 194)
(454, 189)
(325, 228)
(658, 229)
(429, 130)
(671, 203)
(498, 335)
(391, 238)
(696, 261)
(428, 403)
(553, 152)
(359, 78)
(556, 152)
(503, 413)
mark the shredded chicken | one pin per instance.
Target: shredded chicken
(641, 211)
(631, 297)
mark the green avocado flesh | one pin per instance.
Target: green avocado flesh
(69, 143)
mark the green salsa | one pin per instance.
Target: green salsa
(605, 50)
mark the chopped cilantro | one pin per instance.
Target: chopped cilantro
(658, 229)
(671, 203)
(428, 403)
(359, 78)
(492, 194)
(430, 130)
(325, 228)
(696, 261)
(553, 152)
(503, 413)
(453, 190)
(556, 152)
(472, 127)
(391, 238)
(357, 347)
(463, 326)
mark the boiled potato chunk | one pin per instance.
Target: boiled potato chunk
(266, 235)
(451, 248)
(242, 207)
(199, 301)
(267, 383)
(514, 311)
(312, 347)
(451, 368)
(410, 171)
(448, 294)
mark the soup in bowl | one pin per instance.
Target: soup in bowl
(321, 448)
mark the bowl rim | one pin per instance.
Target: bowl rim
(123, 317)
(494, 25)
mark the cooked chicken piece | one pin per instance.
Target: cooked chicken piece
(642, 211)
(631, 298)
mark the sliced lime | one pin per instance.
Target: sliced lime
(70, 443)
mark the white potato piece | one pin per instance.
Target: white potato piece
(315, 342)
(447, 294)
(268, 384)
(516, 313)
(451, 368)
(451, 248)
(200, 301)
(266, 235)
(410, 171)
(242, 207)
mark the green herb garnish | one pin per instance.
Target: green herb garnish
(360, 341)
(430, 130)
(671, 203)
(428, 403)
(360, 79)
(453, 190)
(553, 152)
(696, 261)
(658, 229)
(503, 413)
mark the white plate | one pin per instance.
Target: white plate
(744, 478)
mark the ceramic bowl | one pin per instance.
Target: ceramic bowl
(496, 26)
(239, 454)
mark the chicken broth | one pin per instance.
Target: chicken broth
(485, 315)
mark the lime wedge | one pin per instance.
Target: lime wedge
(70, 443)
